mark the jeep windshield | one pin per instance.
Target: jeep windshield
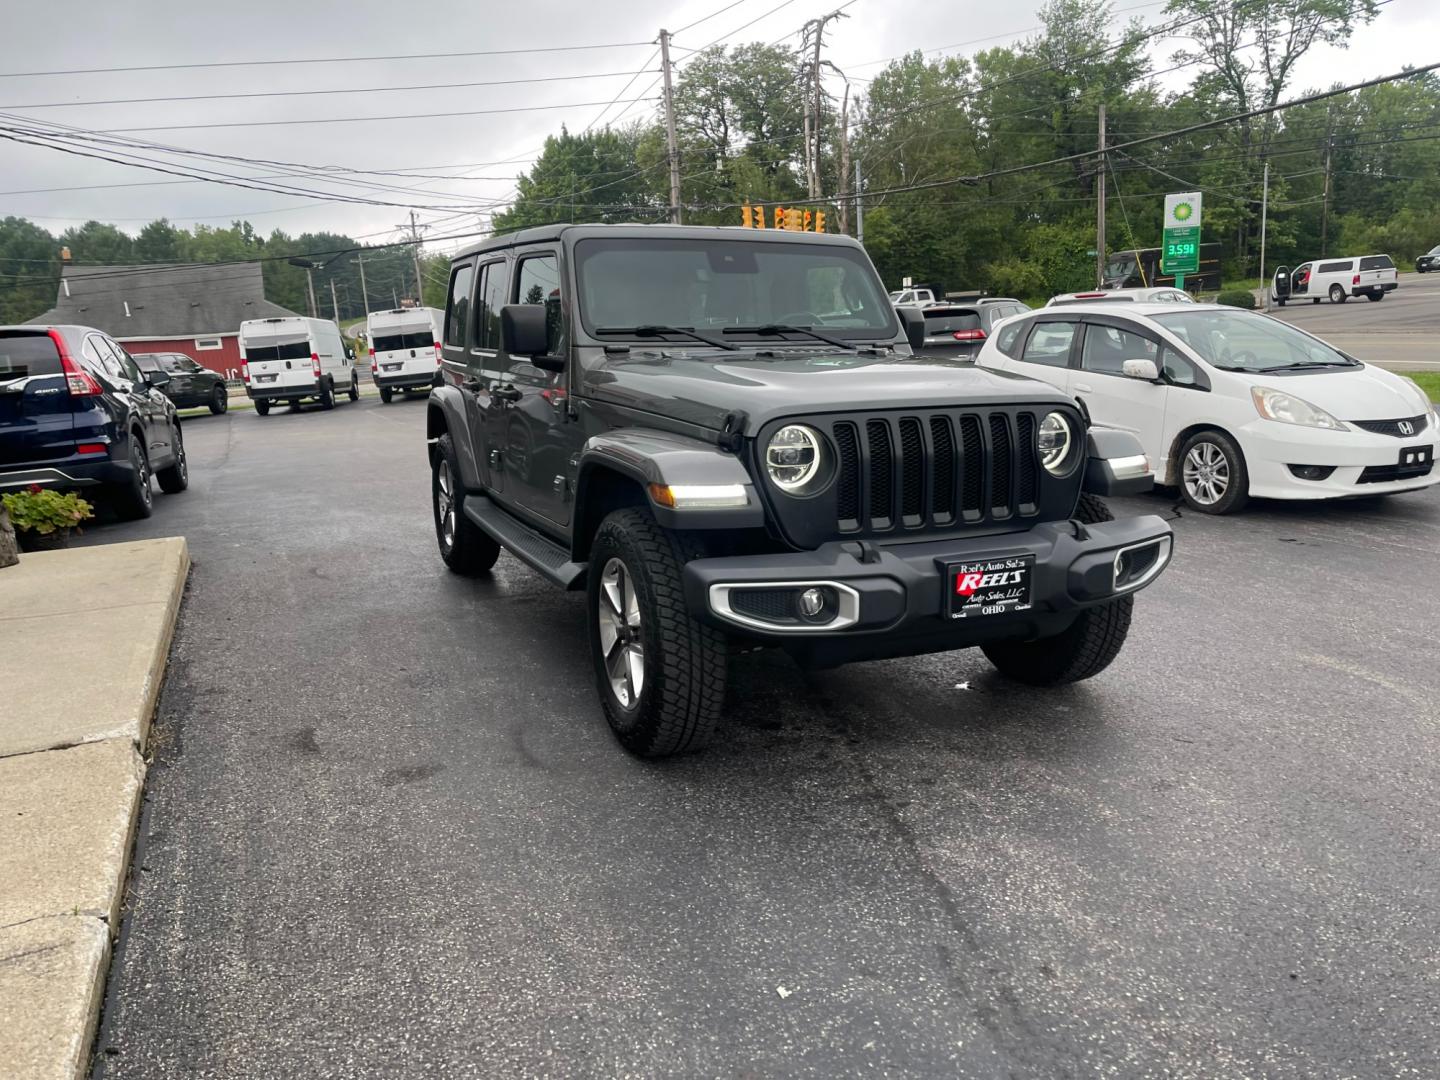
(1244, 341)
(744, 286)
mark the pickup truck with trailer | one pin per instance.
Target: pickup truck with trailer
(727, 440)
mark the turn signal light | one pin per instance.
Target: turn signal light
(969, 335)
(699, 496)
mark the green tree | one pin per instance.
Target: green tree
(161, 242)
(98, 243)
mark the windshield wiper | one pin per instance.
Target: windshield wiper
(1309, 364)
(653, 330)
(775, 329)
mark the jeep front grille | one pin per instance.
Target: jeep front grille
(933, 470)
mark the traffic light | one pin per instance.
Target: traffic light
(779, 217)
(819, 220)
(747, 216)
(805, 225)
(794, 219)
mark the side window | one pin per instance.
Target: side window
(1008, 338)
(171, 364)
(127, 366)
(1108, 347)
(187, 365)
(458, 312)
(1179, 370)
(1334, 267)
(538, 282)
(97, 350)
(1049, 343)
(147, 363)
(489, 299)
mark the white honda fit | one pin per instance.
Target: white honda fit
(1230, 403)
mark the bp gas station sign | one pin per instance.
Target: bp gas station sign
(1180, 251)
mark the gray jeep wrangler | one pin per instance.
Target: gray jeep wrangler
(725, 437)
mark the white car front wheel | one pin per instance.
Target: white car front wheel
(1213, 478)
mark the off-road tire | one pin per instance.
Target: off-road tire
(386, 394)
(175, 477)
(134, 500)
(262, 407)
(685, 660)
(1237, 494)
(471, 551)
(1337, 295)
(1091, 510)
(1086, 648)
(327, 394)
(220, 400)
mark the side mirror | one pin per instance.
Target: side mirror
(156, 379)
(914, 321)
(1141, 369)
(522, 330)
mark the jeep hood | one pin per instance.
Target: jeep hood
(704, 391)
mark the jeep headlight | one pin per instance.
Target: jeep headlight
(1053, 440)
(793, 458)
(1289, 409)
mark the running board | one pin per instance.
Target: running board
(526, 544)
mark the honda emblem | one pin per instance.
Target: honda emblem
(1406, 427)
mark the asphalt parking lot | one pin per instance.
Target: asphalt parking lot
(389, 834)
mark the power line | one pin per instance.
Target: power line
(707, 18)
(322, 60)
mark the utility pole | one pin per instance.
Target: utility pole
(671, 148)
(419, 281)
(1325, 198)
(310, 287)
(859, 205)
(1264, 215)
(364, 292)
(1100, 207)
(334, 304)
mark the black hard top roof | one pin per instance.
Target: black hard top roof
(570, 233)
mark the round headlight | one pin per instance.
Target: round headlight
(1053, 441)
(792, 457)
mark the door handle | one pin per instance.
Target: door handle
(1084, 388)
(506, 392)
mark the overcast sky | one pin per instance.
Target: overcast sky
(492, 147)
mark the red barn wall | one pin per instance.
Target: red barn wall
(225, 360)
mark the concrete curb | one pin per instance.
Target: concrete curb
(71, 778)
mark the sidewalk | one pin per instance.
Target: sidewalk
(84, 636)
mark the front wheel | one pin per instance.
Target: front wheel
(175, 477)
(660, 671)
(464, 546)
(1213, 477)
(219, 400)
(1280, 303)
(1337, 295)
(1316, 300)
(354, 388)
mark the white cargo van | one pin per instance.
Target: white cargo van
(1370, 276)
(404, 348)
(294, 358)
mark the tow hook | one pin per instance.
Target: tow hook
(863, 551)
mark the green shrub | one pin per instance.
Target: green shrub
(1241, 298)
(42, 511)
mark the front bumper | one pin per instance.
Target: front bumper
(895, 604)
(275, 392)
(1270, 449)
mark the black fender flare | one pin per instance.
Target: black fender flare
(1116, 464)
(445, 414)
(649, 458)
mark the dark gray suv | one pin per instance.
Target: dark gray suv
(725, 437)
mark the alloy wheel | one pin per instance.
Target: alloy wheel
(445, 503)
(621, 640)
(142, 473)
(1206, 473)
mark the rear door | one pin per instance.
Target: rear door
(1047, 349)
(35, 412)
(953, 331)
(1376, 272)
(1114, 399)
(278, 360)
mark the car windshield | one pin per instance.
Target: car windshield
(706, 284)
(1245, 341)
(1434, 251)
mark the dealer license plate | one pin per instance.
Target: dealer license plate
(264, 378)
(391, 367)
(989, 586)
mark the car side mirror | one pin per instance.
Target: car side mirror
(914, 321)
(522, 330)
(1141, 369)
(156, 379)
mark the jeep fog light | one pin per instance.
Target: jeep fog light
(1053, 440)
(793, 457)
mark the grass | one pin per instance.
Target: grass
(1429, 381)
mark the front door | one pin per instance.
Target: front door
(1114, 399)
(1300, 280)
(537, 430)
